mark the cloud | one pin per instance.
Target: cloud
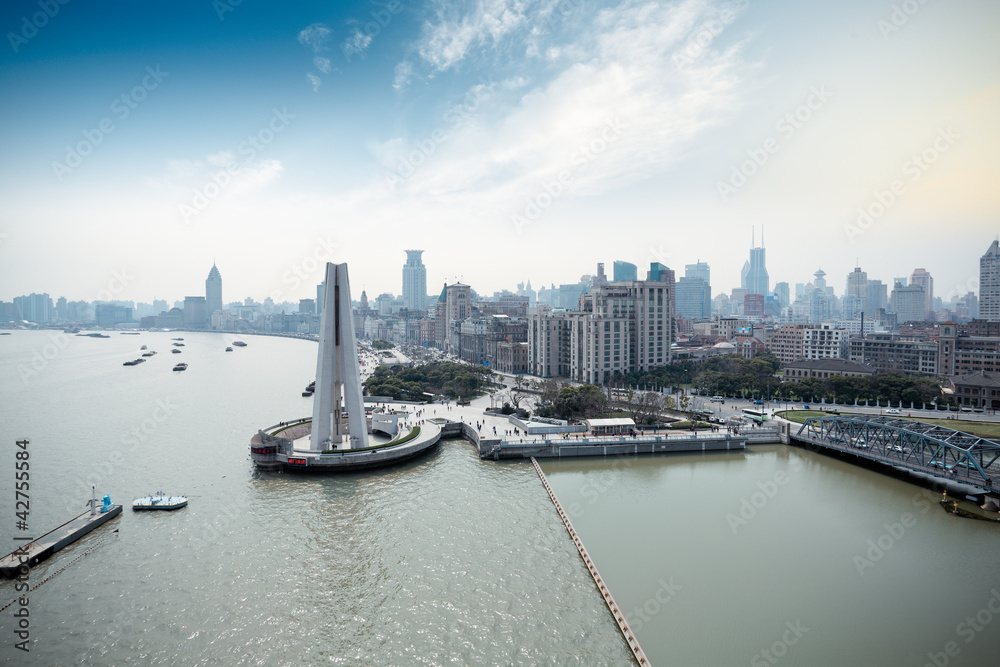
(315, 81)
(314, 37)
(356, 43)
(447, 40)
(620, 72)
(404, 71)
(322, 64)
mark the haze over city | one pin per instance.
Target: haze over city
(511, 140)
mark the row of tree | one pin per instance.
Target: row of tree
(442, 377)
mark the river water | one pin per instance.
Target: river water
(449, 559)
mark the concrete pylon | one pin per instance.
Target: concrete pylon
(338, 379)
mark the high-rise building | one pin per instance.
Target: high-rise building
(600, 278)
(782, 294)
(989, 284)
(857, 283)
(213, 291)
(35, 308)
(624, 272)
(924, 279)
(694, 298)
(195, 312)
(753, 277)
(907, 302)
(698, 270)
(414, 281)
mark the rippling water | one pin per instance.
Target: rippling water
(717, 558)
(444, 560)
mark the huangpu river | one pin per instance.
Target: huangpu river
(772, 556)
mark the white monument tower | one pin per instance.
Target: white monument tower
(338, 380)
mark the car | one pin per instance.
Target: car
(805, 407)
(892, 411)
(717, 399)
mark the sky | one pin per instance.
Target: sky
(512, 140)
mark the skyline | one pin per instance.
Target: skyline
(354, 129)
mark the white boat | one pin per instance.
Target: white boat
(159, 502)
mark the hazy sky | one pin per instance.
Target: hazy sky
(510, 139)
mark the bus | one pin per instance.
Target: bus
(755, 415)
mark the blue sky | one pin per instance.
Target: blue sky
(511, 139)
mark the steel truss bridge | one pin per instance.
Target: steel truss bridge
(911, 445)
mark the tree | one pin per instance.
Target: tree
(644, 406)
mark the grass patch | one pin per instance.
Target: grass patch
(800, 416)
(687, 425)
(285, 428)
(406, 438)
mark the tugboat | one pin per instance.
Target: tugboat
(159, 502)
(176, 351)
(149, 354)
(143, 347)
(134, 362)
(229, 349)
(181, 367)
(178, 344)
(239, 343)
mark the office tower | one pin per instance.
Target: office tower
(907, 302)
(196, 314)
(989, 284)
(924, 279)
(624, 272)
(414, 281)
(857, 283)
(753, 277)
(781, 293)
(600, 279)
(213, 291)
(698, 270)
(694, 298)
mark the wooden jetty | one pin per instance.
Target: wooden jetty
(32, 552)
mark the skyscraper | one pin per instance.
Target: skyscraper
(989, 284)
(754, 278)
(924, 279)
(694, 292)
(213, 291)
(624, 272)
(907, 301)
(414, 281)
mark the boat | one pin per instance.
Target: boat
(181, 367)
(159, 502)
(239, 343)
(229, 349)
(176, 339)
(149, 354)
(178, 344)
(176, 351)
(143, 347)
(134, 362)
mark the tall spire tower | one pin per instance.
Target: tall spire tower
(338, 379)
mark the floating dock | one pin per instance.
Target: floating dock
(32, 552)
(609, 599)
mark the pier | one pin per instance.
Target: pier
(609, 599)
(35, 551)
(673, 443)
